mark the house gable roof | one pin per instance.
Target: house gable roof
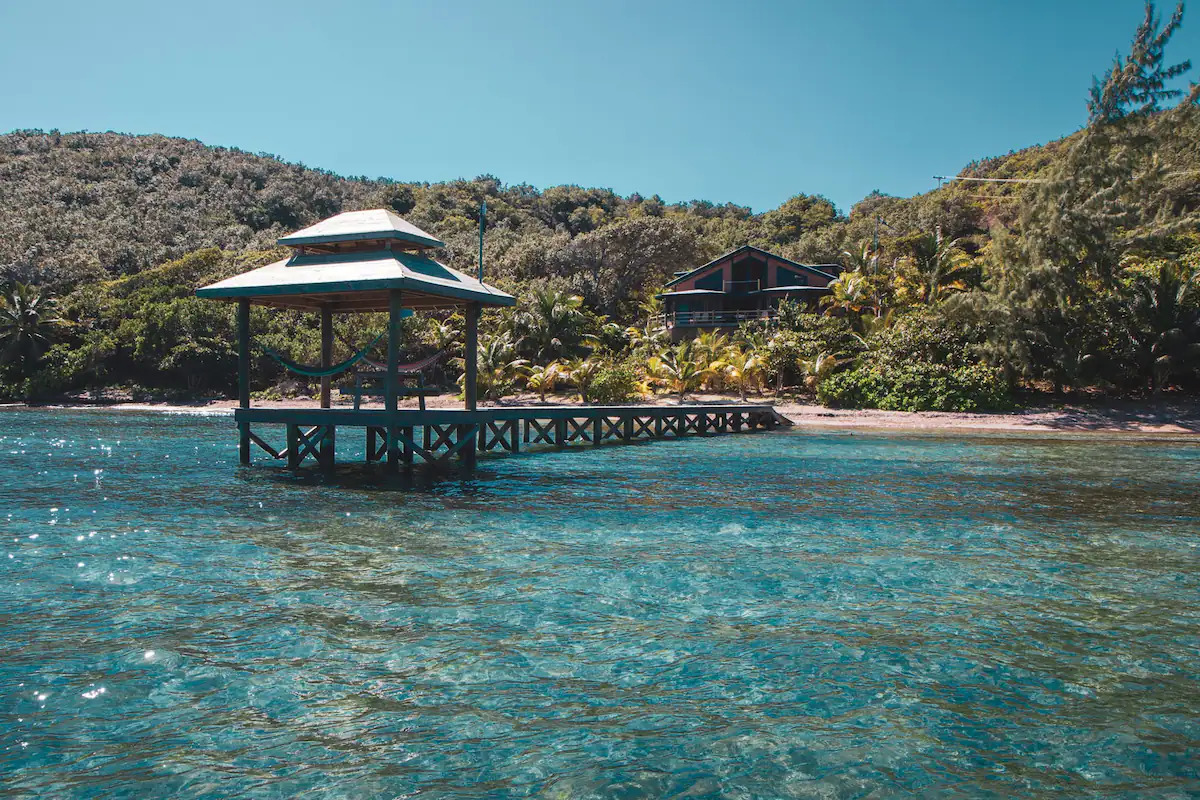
(747, 248)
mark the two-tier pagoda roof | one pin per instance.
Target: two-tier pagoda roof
(350, 262)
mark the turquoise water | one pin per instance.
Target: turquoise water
(769, 615)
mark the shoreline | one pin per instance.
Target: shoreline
(1172, 417)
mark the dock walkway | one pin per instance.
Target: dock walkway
(435, 436)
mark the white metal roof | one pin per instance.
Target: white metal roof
(349, 226)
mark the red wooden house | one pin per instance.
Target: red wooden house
(743, 285)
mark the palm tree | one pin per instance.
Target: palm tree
(744, 368)
(544, 379)
(864, 260)
(552, 324)
(711, 347)
(817, 369)
(28, 322)
(850, 291)
(679, 370)
(499, 369)
(443, 334)
(1167, 322)
(582, 372)
(936, 267)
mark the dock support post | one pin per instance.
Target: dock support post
(393, 448)
(627, 428)
(243, 331)
(471, 357)
(515, 436)
(471, 386)
(328, 444)
(469, 451)
(597, 431)
(560, 433)
(408, 449)
(395, 307)
(293, 446)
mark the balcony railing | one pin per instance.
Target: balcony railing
(700, 318)
(741, 287)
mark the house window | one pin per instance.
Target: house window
(787, 277)
(711, 281)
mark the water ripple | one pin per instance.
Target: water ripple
(797, 615)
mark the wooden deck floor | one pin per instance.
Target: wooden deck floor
(435, 436)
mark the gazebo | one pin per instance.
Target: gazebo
(355, 262)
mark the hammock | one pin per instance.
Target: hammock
(320, 372)
(411, 368)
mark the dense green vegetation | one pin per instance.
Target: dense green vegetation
(1084, 273)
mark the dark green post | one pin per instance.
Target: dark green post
(470, 381)
(326, 353)
(293, 446)
(328, 442)
(243, 334)
(471, 356)
(389, 378)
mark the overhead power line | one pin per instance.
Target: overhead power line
(999, 180)
(941, 178)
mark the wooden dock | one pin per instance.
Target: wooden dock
(404, 437)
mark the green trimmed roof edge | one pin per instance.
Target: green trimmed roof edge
(357, 286)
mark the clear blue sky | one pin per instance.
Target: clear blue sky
(749, 102)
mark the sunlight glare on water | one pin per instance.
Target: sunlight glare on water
(772, 615)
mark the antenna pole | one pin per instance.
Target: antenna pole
(482, 218)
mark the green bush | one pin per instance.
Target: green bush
(783, 352)
(917, 386)
(615, 383)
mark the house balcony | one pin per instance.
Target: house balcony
(714, 319)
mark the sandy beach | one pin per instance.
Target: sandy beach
(1167, 416)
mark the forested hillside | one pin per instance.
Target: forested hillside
(85, 207)
(1074, 266)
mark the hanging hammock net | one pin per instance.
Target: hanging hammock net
(320, 372)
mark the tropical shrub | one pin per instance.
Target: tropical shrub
(918, 386)
(783, 354)
(615, 383)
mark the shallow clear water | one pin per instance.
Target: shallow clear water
(771, 615)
